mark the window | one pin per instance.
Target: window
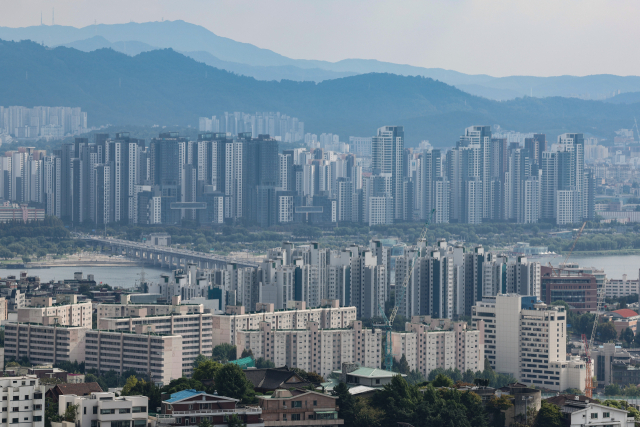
(84, 410)
(94, 423)
(15, 420)
(107, 411)
(140, 423)
(296, 404)
(124, 411)
(295, 417)
(594, 416)
(37, 418)
(137, 409)
(95, 409)
(26, 398)
(120, 423)
(16, 397)
(605, 415)
(315, 403)
(284, 417)
(37, 396)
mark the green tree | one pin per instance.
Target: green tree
(206, 370)
(263, 363)
(180, 384)
(198, 360)
(231, 382)
(132, 381)
(415, 377)
(612, 390)
(346, 403)
(627, 335)
(50, 412)
(402, 366)
(442, 381)
(70, 413)
(246, 353)
(235, 421)
(205, 423)
(224, 352)
(549, 415)
(607, 332)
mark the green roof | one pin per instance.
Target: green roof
(245, 363)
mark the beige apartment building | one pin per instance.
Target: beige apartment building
(195, 327)
(43, 311)
(313, 349)
(44, 344)
(159, 356)
(126, 310)
(329, 316)
(429, 344)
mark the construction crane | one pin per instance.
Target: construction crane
(564, 263)
(574, 243)
(588, 389)
(636, 126)
(387, 324)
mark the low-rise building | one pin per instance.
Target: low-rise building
(299, 407)
(100, 408)
(580, 411)
(23, 402)
(622, 287)
(43, 344)
(150, 354)
(578, 289)
(271, 379)
(192, 407)
(79, 389)
(623, 319)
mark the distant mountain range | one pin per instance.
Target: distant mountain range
(165, 87)
(245, 59)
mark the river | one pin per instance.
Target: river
(127, 277)
(124, 277)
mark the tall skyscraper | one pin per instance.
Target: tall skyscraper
(387, 149)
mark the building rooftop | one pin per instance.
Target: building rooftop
(371, 373)
(625, 312)
(184, 394)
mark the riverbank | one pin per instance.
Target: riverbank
(84, 259)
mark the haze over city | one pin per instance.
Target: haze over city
(319, 213)
(499, 38)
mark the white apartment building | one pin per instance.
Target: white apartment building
(622, 287)
(194, 328)
(44, 344)
(98, 409)
(23, 401)
(528, 339)
(159, 356)
(429, 344)
(106, 310)
(43, 311)
(329, 316)
(312, 348)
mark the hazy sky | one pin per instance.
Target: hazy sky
(497, 37)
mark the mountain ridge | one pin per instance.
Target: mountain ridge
(165, 87)
(259, 63)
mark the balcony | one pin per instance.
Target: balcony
(219, 411)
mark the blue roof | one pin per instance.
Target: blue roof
(183, 395)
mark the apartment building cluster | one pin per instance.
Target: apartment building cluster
(527, 339)
(447, 279)
(323, 339)
(42, 122)
(280, 126)
(239, 175)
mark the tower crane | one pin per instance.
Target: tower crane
(572, 247)
(387, 324)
